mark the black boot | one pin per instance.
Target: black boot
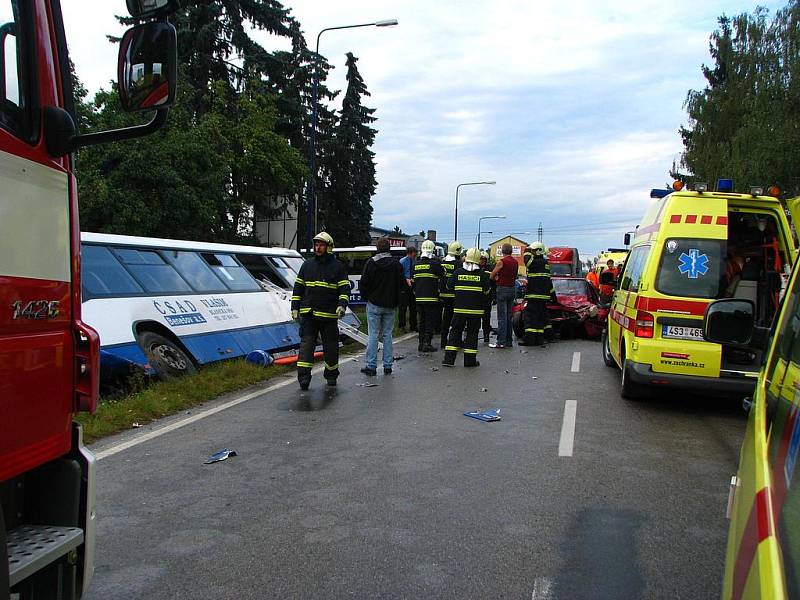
(449, 358)
(304, 382)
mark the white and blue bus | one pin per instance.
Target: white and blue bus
(354, 260)
(167, 306)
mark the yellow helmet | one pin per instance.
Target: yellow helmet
(537, 248)
(455, 248)
(473, 256)
(428, 246)
(324, 237)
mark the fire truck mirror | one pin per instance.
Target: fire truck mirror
(144, 9)
(147, 67)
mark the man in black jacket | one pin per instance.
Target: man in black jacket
(381, 285)
(319, 300)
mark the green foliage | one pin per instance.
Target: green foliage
(235, 147)
(347, 207)
(745, 124)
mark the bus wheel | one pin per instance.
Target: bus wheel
(165, 356)
(630, 390)
(607, 358)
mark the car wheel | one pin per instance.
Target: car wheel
(630, 390)
(518, 325)
(607, 357)
(165, 356)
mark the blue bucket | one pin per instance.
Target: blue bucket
(260, 358)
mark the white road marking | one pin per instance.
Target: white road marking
(212, 411)
(576, 362)
(542, 589)
(568, 428)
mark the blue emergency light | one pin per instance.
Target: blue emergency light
(724, 185)
(656, 193)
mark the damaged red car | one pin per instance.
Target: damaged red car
(578, 312)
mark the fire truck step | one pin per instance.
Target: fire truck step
(32, 547)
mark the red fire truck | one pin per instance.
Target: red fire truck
(564, 262)
(48, 358)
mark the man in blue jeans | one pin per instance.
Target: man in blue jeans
(505, 275)
(381, 285)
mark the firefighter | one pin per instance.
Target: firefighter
(470, 285)
(540, 290)
(486, 321)
(319, 299)
(450, 263)
(428, 275)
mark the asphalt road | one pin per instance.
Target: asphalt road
(390, 492)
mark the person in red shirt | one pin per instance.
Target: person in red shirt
(505, 275)
(607, 280)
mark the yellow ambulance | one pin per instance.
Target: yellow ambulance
(763, 552)
(692, 247)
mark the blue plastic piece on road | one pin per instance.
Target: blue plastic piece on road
(223, 454)
(487, 415)
(260, 358)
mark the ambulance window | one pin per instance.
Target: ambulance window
(784, 434)
(691, 268)
(634, 267)
(16, 112)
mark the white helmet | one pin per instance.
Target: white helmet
(428, 247)
(325, 237)
(537, 248)
(473, 256)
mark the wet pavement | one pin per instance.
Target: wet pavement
(391, 492)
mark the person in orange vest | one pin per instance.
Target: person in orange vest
(592, 278)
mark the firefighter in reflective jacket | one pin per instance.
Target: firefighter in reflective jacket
(428, 275)
(540, 290)
(319, 299)
(470, 286)
(450, 263)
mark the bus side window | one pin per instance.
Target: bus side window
(102, 275)
(259, 267)
(195, 270)
(230, 272)
(152, 271)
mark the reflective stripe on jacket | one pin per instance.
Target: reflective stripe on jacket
(321, 286)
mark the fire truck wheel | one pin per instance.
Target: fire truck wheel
(165, 356)
(3, 560)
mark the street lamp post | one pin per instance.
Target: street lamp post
(455, 225)
(311, 198)
(478, 245)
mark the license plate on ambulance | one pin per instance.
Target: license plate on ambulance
(682, 333)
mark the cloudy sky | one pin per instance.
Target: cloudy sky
(572, 107)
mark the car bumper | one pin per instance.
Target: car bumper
(642, 373)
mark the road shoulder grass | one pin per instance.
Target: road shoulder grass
(162, 398)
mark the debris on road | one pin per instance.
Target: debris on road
(523, 351)
(400, 357)
(487, 415)
(135, 425)
(434, 368)
(223, 454)
(367, 384)
(534, 377)
(483, 390)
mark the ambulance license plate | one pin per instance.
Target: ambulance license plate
(682, 333)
